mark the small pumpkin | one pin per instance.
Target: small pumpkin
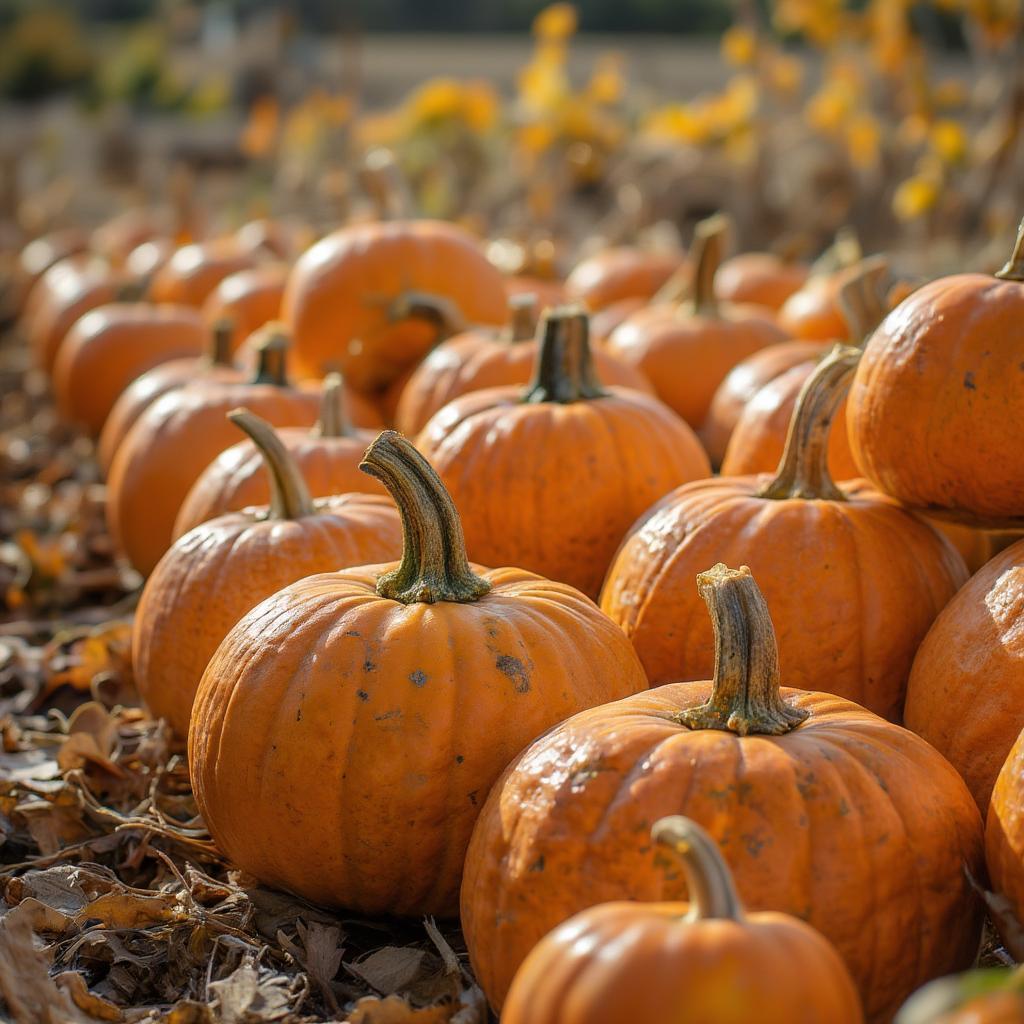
(687, 349)
(428, 677)
(553, 476)
(193, 271)
(614, 274)
(178, 436)
(874, 575)
(327, 457)
(813, 313)
(118, 237)
(249, 299)
(705, 960)
(212, 575)
(760, 278)
(1004, 831)
(821, 809)
(36, 258)
(935, 409)
(985, 996)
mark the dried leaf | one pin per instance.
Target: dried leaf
(391, 969)
(245, 998)
(101, 1009)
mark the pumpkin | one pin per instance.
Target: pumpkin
(214, 364)
(708, 960)
(1004, 831)
(985, 996)
(875, 575)
(821, 809)
(604, 322)
(119, 236)
(552, 477)
(36, 258)
(194, 271)
(178, 436)
(935, 409)
(761, 278)
(111, 346)
(279, 239)
(428, 677)
(966, 689)
(813, 313)
(371, 300)
(687, 349)
(476, 360)
(249, 298)
(212, 575)
(327, 458)
(145, 260)
(546, 291)
(611, 275)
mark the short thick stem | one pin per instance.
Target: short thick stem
(289, 495)
(437, 310)
(1014, 269)
(708, 250)
(434, 565)
(713, 894)
(803, 471)
(564, 371)
(221, 336)
(863, 298)
(745, 697)
(333, 421)
(272, 355)
(522, 318)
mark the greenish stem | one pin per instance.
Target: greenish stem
(803, 471)
(1014, 269)
(289, 495)
(745, 697)
(219, 353)
(863, 298)
(713, 894)
(434, 565)
(272, 355)
(564, 371)
(522, 318)
(333, 421)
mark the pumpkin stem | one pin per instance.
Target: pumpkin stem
(522, 318)
(434, 565)
(803, 470)
(564, 371)
(272, 355)
(745, 697)
(707, 252)
(713, 894)
(863, 299)
(844, 252)
(219, 351)
(289, 494)
(438, 310)
(333, 421)
(1014, 269)
(386, 186)
(131, 291)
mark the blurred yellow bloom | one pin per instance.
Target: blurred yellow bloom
(480, 106)
(379, 129)
(740, 100)
(608, 82)
(302, 128)
(863, 140)
(948, 141)
(913, 130)
(542, 84)
(829, 108)
(536, 137)
(741, 145)
(447, 99)
(821, 21)
(260, 129)
(785, 73)
(435, 98)
(679, 122)
(915, 196)
(334, 110)
(558, 21)
(739, 46)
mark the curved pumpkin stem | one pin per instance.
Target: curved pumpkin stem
(564, 371)
(713, 894)
(219, 351)
(708, 250)
(863, 299)
(437, 310)
(434, 565)
(745, 697)
(386, 186)
(272, 355)
(333, 421)
(289, 495)
(803, 470)
(1014, 269)
(522, 318)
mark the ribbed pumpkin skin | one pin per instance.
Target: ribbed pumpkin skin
(473, 362)
(195, 270)
(554, 488)
(966, 691)
(620, 273)
(1004, 832)
(405, 717)
(110, 347)
(853, 585)
(759, 278)
(217, 572)
(852, 824)
(770, 968)
(171, 443)
(237, 478)
(338, 295)
(935, 409)
(812, 313)
(249, 298)
(759, 436)
(686, 358)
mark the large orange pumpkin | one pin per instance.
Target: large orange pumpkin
(178, 436)
(611, 275)
(687, 349)
(372, 299)
(761, 278)
(706, 960)
(936, 406)
(552, 477)
(854, 580)
(194, 271)
(212, 575)
(249, 299)
(821, 809)
(402, 690)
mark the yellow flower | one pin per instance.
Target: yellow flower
(785, 73)
(863, 140)
(555, 22)
(608, 83)
(948, 141)
(680, 122)
(536, 137)
(480, 106)
(739, 46)
(915, 196)
(435, 98)
(829, 108)
(913, 130)
(738, 103)
(542, 84)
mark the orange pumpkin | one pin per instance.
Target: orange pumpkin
(874, 575)
(371, 300)
(612, 275)
(604, 322)
(194, 271)
(145, 260)
(813, 313)
(327, 458)
(708, 960)
(117, 238)
(982, 996)
(552, 477)
(687, 349)
(111, 346)
(428, 677)
(212, 575)
(476, 360)
(821, 809)
(249, 298)
(278, 239)
(42, 253)
(178, 436)
(935, 409)
(1004, 832)
(761, 278)
(966, 690)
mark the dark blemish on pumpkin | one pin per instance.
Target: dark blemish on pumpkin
(362, 695)
(353, 632)
(459, 759)
(513, 668)
(298, 715)
(418, 678)
(753, 845)
(472, 797)
(969, 381)
(538, 864)
(369, 666)
(396, 713)
(844, 807)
